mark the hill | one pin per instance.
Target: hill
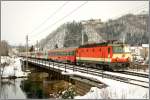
(129, 28)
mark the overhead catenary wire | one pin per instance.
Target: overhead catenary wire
(52, 15)
(67, 16)
(62, 18)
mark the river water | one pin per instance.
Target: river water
(38, 85)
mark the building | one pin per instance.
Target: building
(140, 52)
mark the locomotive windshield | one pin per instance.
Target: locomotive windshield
(118, 49)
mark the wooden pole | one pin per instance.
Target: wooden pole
(27, 51)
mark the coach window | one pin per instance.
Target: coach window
(64, 53)
(72, 52)
(55, 53)
(68, 53)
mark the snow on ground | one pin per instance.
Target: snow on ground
(115, 89)
(14, 67)
(6, 59)
(115, 93)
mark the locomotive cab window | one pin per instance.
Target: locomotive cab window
(117, 49)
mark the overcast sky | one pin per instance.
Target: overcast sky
(19, 18)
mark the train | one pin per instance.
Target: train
(107, 55)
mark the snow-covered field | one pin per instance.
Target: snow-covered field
(13, 68)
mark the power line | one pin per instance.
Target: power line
(63, 17)
(71, 13)
(50, 16)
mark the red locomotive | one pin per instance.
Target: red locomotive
(108, 55)
(104, 55)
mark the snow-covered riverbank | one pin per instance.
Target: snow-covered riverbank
(6, 59)
(14, 67)
(115, 89)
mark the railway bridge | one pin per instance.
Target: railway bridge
(89, 75)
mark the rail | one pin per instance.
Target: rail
(135, 74)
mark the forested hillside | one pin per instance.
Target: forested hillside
(129, 28)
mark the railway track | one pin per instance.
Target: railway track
(114, 77)
(135, 74)
(102, 74)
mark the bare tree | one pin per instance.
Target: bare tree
(4, 48)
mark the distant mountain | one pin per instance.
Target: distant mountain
(55, 39)
(132, 29)
(129, 28)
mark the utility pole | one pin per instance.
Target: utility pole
(82, 37)
(0, 67)
(0, 61)
(27, 51)
(37, 45)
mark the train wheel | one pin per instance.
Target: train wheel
(98, 66)
(108, 68)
